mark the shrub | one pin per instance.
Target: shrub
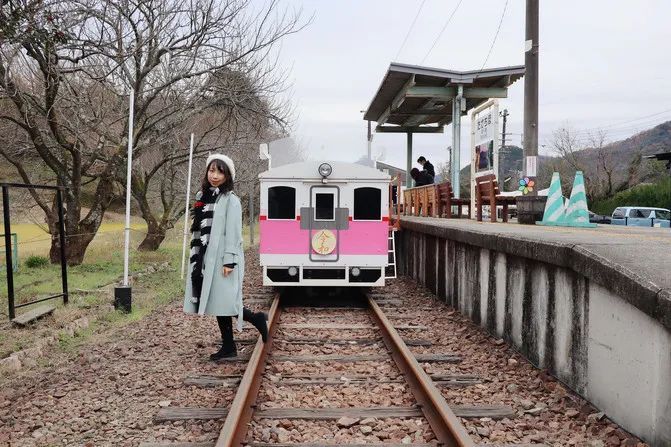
(655, 195)
(34, 261)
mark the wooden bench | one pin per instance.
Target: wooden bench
(445, 201)
(487, 193)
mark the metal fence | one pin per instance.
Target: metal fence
(11, 244)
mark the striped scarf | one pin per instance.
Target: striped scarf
(203, 213)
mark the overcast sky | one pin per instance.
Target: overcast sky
(603, 63)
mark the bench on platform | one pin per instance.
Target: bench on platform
(487, 193)
(445, 201)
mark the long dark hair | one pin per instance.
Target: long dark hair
(225, 187)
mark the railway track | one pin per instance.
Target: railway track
(347, 375)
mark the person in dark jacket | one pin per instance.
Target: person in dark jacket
(427, 166)
(421, 178)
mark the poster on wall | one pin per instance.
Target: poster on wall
(484, 156)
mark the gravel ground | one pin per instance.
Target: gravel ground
(547, 411)
(107, 392)
(365, 431)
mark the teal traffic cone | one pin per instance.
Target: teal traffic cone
(554, 206)
(576, 212)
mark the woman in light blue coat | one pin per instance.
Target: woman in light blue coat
(217, 260)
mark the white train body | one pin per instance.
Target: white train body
(324, 230)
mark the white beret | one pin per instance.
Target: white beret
(225, 159)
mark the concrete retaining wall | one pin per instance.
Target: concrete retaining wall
(574, 324)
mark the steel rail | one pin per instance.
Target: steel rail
(242, 408)
(445, 424)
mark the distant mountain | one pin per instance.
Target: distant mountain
(622, 160)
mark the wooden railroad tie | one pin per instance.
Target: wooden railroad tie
(345, 326)
(260, 444)
(206, 381)
(386, 444)
(177, 444)
(346, 341)
(169, 414)
(446, 358)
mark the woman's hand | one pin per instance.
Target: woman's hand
(226, 271)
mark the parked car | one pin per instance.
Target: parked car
(598, 218)
(641, 216)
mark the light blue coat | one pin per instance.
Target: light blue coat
(222, 295)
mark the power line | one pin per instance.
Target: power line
(619, 127)
(505, 7)
(619, 123)
(412, 25)
(449, 19)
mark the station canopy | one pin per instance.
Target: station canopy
(411, 97)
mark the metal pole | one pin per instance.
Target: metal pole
(503, 147)
(504, 114)
(456, 141)
(251, 213)
(186, 207)
(8, 252)
(61, 234)
(369, 143)
(128, 178)
(408, 164)
(531, 90)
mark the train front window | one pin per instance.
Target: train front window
(324, 206)
(367, 204)
(281, 202)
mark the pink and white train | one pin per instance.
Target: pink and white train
(324, 224)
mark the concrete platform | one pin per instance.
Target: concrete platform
(633, 262)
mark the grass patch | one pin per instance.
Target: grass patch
(102, 266)
(35, 262)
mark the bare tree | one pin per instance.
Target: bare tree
(443, 170)
(605, 162)
(67, 68)
(566, 145)
(569, 147)
(233, 118)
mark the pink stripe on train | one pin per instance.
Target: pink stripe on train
(286, 237)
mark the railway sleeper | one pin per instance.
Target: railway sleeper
(171, 414)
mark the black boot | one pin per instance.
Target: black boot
(228, 348)
(258, 319)
(223, 353)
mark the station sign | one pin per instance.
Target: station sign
(484, 143)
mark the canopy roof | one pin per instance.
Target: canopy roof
(412, 96)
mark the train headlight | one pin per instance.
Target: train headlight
(293, 271)
(356, 271)
(325, 170)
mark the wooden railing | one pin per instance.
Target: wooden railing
(434, 200)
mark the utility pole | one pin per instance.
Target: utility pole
(530, 207)
(531, 90)
(504, 114)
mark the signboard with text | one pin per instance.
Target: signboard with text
(484, 143)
